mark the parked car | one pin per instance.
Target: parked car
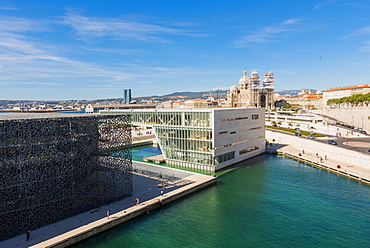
(363, 132)
(310, 137)
(332, 142)
(298, 134)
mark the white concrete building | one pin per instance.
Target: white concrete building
(344, 92)
(305, 99)
(206, 139)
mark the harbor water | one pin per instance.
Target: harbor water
(267, 201)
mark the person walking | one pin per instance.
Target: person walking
(108, 214)
(162, 193)
(137, 201)
(28, 235)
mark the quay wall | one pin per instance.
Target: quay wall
(312, 146)
(323, 166)
(358, 117)
(104, 224)
(338, 160)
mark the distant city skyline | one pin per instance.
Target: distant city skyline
(89, 50)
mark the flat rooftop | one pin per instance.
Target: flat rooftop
(22, 116)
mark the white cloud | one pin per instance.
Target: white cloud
(359, 32)
(29, 63)
(325, 3)
(125, 28)
(37, 83)
(8, 8)
(366, 47)
(317, 51)
(16, 24)
(270, 33)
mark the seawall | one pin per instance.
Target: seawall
(335, 159)
(93, 228)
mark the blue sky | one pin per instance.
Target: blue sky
(60, 50)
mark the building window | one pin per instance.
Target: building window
(224, 157)
(235, 119)
(232, 132)
(223, 132)
(250, 129)
(255, 117)
(248, 150)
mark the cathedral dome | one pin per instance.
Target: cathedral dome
(234, 88)
(244, 81)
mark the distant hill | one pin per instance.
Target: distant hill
(291, 92)
(187, 95)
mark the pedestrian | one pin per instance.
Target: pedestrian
(137, 201)
(28, 235)
(303, 151)
(326, 157)
(108, 214)
(161, 192)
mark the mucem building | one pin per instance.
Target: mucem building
(57, 166)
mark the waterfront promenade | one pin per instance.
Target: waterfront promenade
(87, 224)
(146, 189)
(336, 159)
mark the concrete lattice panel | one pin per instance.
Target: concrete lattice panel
(55, 168)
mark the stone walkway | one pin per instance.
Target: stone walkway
(145, 189)
(351, 163)
(342, 167)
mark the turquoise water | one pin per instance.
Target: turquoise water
(276, 202)
(139, 153)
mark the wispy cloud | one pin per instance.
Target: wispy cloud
(359, 32)
(8, 8)
(16, 24)
(24, 57)
(124, 28)
(366, 47)
(38, 83)
(325, 3)
(270, 33)
(317, 51)
(362, 34)
(29, 61)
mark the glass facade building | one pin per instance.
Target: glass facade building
(206, 139)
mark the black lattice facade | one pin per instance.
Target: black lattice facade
(55, 168)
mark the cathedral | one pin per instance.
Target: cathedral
(250, 94)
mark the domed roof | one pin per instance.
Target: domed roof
(244, 79)
(233, 88)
